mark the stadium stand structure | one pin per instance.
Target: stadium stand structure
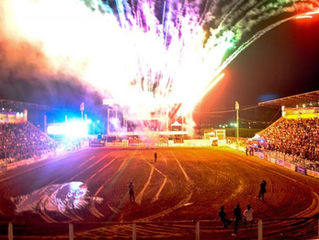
(310, 98)
(17, 105)
(34, 113)
(296, 134)
(20, 141)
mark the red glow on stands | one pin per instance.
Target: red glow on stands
(307, 15)
(213, 83)
(303, 16)
(312, 13)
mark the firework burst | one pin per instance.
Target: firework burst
(147, 55)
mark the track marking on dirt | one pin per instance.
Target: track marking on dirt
(94, 211)
(90, 166)
(239, 189)
(159, 190)
(184, 202)
(100, 170)
(311, 210)
(266, 169)
(141, 193)
(46, 217)
(161, 156)
(38, 165)
(73, 216)
(168, 210)
(124, 199)
(41, 212)
(58, 178)
(180, 166)
(81, 165)
(113, 209)
(70, 214)
(30, 169)
(163, 183)
(112, 180)
(85, 161)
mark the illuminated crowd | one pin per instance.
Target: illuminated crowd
(298, 137)
(20, 141)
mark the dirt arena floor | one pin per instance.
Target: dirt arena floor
(183, 186)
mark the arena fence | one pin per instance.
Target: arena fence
(291, 162)
(289, 228)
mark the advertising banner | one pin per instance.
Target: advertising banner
(259, 154)
(313, 173)
(290, 166)
(280, 162)
(273, 160)
(301, 170)
(286, 164)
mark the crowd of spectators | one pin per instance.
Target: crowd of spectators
(294, 137)
(19, 141)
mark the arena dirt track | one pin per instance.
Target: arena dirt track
(184, 184)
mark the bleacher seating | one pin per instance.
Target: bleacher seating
(295, 137)
(20, 141)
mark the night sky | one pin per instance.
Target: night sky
(281, 63)
(284, 62)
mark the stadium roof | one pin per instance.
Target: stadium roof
(292, 101)
(6, 103)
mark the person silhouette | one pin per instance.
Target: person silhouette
(262, 190)
(237, 214)
(248, 215)
(131, 192)
(223, 218)
(155, 157)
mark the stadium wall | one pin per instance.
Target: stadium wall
(283, 160)
(304, 112)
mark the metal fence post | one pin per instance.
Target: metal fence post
(197, 231)
(260, 229)
(133, 231)
(10, 231)
(71, 232)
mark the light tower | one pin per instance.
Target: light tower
(237, 122)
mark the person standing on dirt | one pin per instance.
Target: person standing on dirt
(248, 216)
(262, 190)
(237, 214)
(222, 216)
(155, 157)
(131, 192)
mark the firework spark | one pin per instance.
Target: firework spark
(147, 55)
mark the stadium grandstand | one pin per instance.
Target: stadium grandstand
(34, 113)
(84, 194)
(20, 140)
(294, 137)
(17, 105)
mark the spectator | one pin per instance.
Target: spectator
(222, 216)
(155, 157)
(237, 214)
(131, 192)
(262, 190)
(20, 141)
(295, 137)
(248, 215)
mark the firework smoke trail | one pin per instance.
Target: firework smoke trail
(148, 55)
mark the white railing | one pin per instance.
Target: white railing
(258, 228)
